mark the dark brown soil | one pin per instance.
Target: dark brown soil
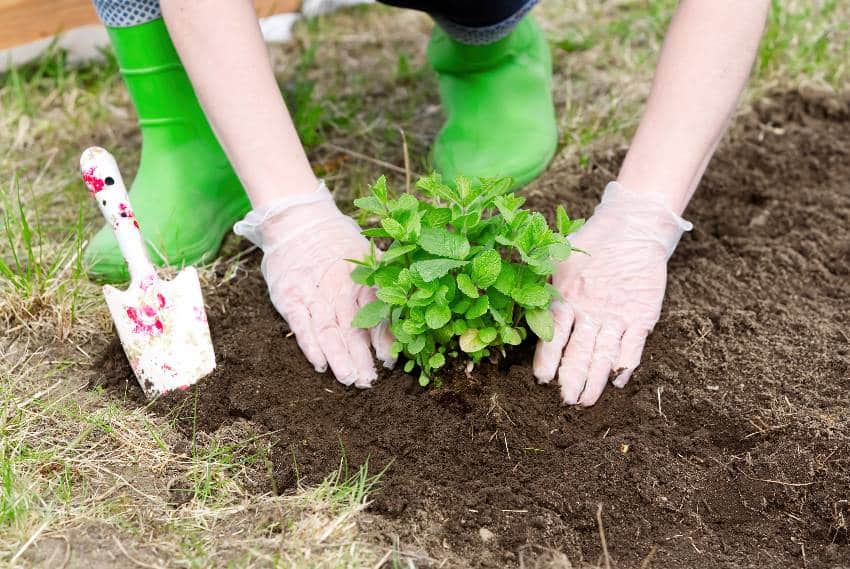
(729, 448)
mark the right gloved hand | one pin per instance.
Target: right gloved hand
(305, 240)
(612, 296)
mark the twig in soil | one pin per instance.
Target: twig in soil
(602, 537)
(383, 559)
(658, 392)
(507, 450)
(65, 558)
(694, 545)
(769, 481)
(128, 556)
(29, 542)
(360, 156)
(406, 160)
(648, 559)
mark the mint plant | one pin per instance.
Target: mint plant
(466, 270)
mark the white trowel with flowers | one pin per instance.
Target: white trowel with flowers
(162, 324)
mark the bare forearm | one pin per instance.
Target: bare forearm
(222, 49)
(703, 67)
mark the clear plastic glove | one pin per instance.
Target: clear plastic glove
(612, 295)
(306, 241)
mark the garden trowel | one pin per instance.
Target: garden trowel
(162, 324)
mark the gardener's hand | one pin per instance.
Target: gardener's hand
(612, 295)
(306, 241)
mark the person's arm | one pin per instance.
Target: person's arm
(222, 49)
(613, 295)
(706, 59)
(304, 237)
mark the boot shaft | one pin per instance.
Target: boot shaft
(159, 87)
(447, 55)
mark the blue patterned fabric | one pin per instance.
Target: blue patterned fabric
(126, 13)
(483, 35)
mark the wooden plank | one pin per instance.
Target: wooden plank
(25, 21)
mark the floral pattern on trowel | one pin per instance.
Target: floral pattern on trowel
(162, 324)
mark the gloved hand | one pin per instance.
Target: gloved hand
(305, 240)
(612, 295)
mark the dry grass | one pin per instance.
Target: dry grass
(85, 481)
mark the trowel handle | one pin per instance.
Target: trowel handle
(103, 180)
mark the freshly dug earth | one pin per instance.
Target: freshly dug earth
(729, 448)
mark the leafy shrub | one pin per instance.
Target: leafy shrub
(465, 270)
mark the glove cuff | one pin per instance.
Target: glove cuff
(251, 226)
(646, 214)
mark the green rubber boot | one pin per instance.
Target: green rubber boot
(500, 118)
(185, 196)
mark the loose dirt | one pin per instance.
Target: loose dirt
(729, 448)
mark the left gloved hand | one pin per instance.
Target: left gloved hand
(612, 295)
(305, 241)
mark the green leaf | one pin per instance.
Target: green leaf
(575, 225)
(416, 345)
(488, 334)
(435, 268)
(361, 275)
(413, 327)
(437, 316)
(437, 361)
(395, 252)
(375, 232)
(434, 186)
(379, 188)
(534, 233)
(395, 348)
(392, 295)
(443, 243)
(448, 283)
(421, 298)
(520, 217)
(461, 305)
(479, 307)
(437, 217)
(371, 315)
(467, 222)
(560, 251)
(397, 328)
(370, 204)
(507, 205)
(470, 342)
(386, 276)
(541, 323)
(408, 366)
(459, 327)
(533, 295)
(486, 268)
(466, 286)
(510, 336)
(406, 202)
(423, 380)
(506, 280)
(464, 190)
(393, 228)
(562, 220)
(404, 279)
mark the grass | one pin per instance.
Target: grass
(82, 474)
